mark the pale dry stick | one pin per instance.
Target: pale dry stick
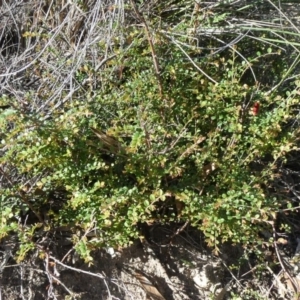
(282, 39)
(250, 271)
(15, 22)
(107, 58)
(282, 14)
(49, 9)
(282, 264)
(68, 253)
(45, 273)
(113, 13)
(6, 256)
(259, 23)
(290, 209)
(84, 272)
(187, 36)
(90, 229)
(51, 294)
(180, 135)
(107, 287)
(292, 77)
(191, 60)
(179, 230)
(78, 58)
(63, 101)
(21, 285)
(279, 283)
(40, 54)
(32, 185)
(231, 2)
(63, 285)
(30, 280)
(104, 61)
(73, 4)
(51, 67)
(125, 289)
(53, 278)
(60, 89)
(121, 10)
(295, 62)
(57, 95)
(240, 54)
(119, 19)
(80, 23)
(216, 30)
(17, 94)
(263, 290)
(232, 275)
(4, 174)
(250, 27)
(169, 148)
(230, 44)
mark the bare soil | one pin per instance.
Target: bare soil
(152, 268)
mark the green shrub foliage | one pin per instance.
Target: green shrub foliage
(140, 146)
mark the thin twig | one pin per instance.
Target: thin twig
(282, 264)
(153, 52)
(191, 60)
(179, 230)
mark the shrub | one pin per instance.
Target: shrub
(164, 131)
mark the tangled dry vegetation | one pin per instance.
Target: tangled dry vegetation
(101, 103)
